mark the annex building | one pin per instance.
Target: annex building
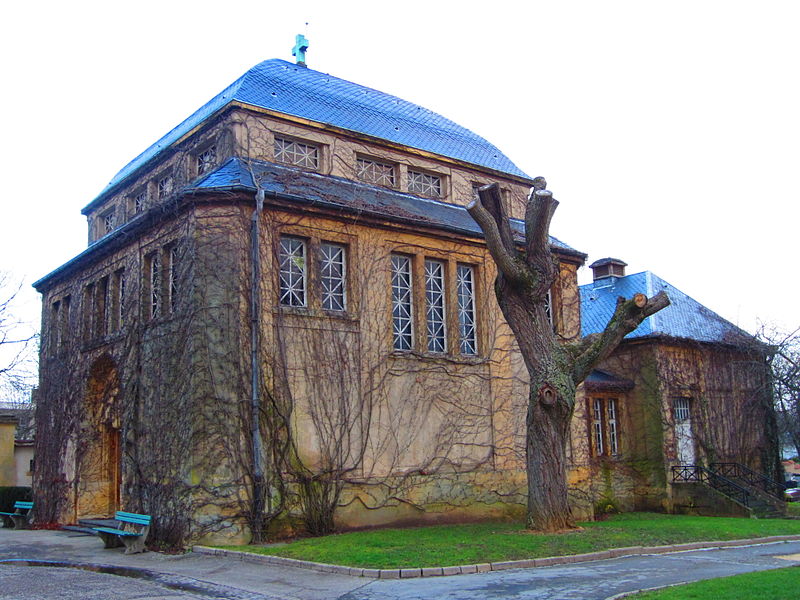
(285, 318)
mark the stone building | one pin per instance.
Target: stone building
(686, 387)
(297, 248)
(285, 313)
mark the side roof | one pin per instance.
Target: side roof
(286, 88)
(685, 318)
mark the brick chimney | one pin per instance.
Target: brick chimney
(608, 267)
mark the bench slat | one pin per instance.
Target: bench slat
(133, 518)
(117, 531)
(23, 504)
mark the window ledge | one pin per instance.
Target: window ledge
(439, 356)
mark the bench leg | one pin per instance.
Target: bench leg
(20, 521)
(134, 545)
(7, 521)
(110, 540)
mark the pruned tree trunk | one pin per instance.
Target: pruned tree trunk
(555, 369)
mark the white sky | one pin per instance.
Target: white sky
(668, 131)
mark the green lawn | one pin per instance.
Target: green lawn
(779, 584)
(793, 509)
(493, 542)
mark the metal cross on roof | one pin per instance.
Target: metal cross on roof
(300, 48)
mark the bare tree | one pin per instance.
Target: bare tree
(784, 363)
(555, 369)
(16, 337)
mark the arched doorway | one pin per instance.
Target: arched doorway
(99, 455)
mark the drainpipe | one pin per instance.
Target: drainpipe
(255, 398)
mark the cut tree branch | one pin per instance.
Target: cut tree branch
(498, 235)
(627, 316)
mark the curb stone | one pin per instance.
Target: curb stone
(407, 573)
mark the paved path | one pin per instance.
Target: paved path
(208, 577)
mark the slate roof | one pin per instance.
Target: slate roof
(349, 196)
(685, 318)
(302, 92)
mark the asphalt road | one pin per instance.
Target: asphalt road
(214, 577)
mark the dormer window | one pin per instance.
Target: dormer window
(165, 186)
(377, 172)
(206, 160)
(298, 154)
(424, 184)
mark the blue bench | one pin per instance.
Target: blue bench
(132, 532)
(20, 518)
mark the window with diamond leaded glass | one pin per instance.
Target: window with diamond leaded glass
(435, 306)
(206, 160)
(424, 184)
(332, 276)
(165, 187)
(465, 291)
(296, 153)
(402, 320)
(373, 171)
(293, 279)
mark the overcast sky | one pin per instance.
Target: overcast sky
(668, 131)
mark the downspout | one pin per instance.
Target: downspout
(255, 398)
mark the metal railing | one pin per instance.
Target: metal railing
(698, 474)
(734, 471)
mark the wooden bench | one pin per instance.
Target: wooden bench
(20, 518)
(132, 532)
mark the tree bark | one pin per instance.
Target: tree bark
(555, 370)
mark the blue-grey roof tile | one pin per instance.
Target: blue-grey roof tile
(287, 88)
(348, 195)
(684, 318)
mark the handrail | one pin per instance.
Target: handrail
(698, 474)
(735, 470)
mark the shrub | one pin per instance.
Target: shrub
(11, 494)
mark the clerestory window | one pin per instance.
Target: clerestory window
(298, 154)
(206, 160)
(424, 184)
(377, 172)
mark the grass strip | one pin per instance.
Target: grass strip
(776, 584)
(445, 545)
